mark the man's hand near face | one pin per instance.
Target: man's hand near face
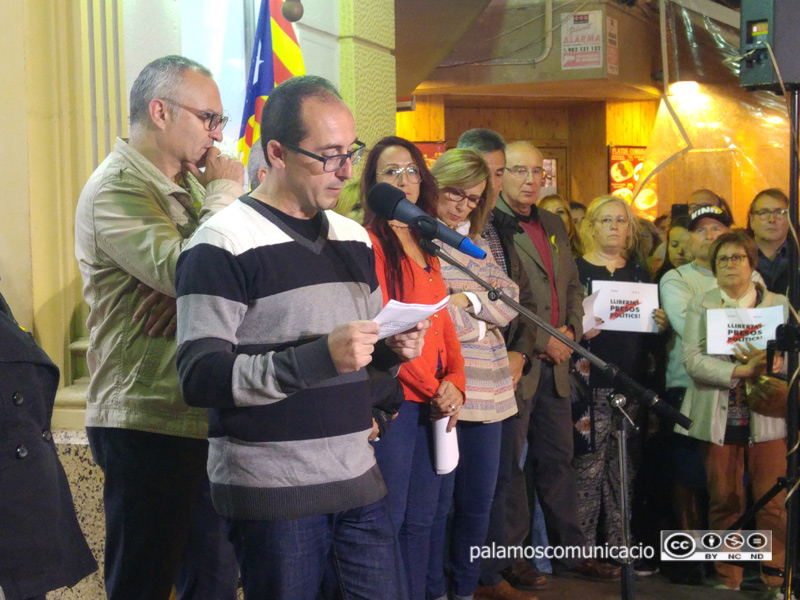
(217, 166)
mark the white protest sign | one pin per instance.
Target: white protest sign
(625, 306)
(588, 312)
(726, 327)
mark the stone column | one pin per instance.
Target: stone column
(367, 65)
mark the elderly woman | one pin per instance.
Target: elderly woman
(464, 182)
(733, 438)
(433, 383)
(608, 234)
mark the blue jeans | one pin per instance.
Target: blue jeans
(286, 560)
(470, 489)
(405, 457)
(161, 528)
(496, 531)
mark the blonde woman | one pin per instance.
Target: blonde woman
(464, 189)
(608, 233)
(557, 205)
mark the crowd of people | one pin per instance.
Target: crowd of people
(253, 427)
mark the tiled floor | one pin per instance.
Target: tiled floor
(86, 483)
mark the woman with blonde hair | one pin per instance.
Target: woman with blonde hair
(557, 205)
(632, 230)
(463, 203)
(608, 233)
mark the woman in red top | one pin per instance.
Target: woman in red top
(434, 382)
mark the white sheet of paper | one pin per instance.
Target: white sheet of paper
(626, 306)
(726, 327)
(445, 447)
(588, 311)
(397, 317)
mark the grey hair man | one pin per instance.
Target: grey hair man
(558, 294)
(134, 216)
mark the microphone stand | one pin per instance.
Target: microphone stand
(610, 371)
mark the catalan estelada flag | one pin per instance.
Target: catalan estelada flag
(276, 58)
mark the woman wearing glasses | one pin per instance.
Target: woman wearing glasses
(464, 182)
(733, 438)
(768, 224)
(433, 383)
(608, 233)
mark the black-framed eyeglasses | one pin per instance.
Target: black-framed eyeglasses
(211, 120)
(457, 196)
(331, 164)
(764, 214)
(734, 259)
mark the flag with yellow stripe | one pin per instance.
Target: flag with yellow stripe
(276, 58)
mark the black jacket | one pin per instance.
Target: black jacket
(42, 547)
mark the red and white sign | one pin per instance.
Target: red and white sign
(582, 40)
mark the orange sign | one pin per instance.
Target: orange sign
(624, 166)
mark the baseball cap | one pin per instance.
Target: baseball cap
(709, 212)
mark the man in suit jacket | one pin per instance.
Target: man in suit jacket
(543, 246)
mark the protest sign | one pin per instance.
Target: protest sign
(727, 327)
(625, 306)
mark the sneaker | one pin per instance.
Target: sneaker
(722, 586)
(644, 568)
(776, 593)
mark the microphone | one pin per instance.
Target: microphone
(391, 203)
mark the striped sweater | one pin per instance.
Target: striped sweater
(256, 300)
(490, 389)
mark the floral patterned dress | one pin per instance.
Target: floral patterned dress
(596, 464)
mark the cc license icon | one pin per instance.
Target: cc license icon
(680, 545)
(711, 541)
(734, 541)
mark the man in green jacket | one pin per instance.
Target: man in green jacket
(134, 216)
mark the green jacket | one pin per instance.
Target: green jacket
(131, 224)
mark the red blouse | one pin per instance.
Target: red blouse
(442, 348)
